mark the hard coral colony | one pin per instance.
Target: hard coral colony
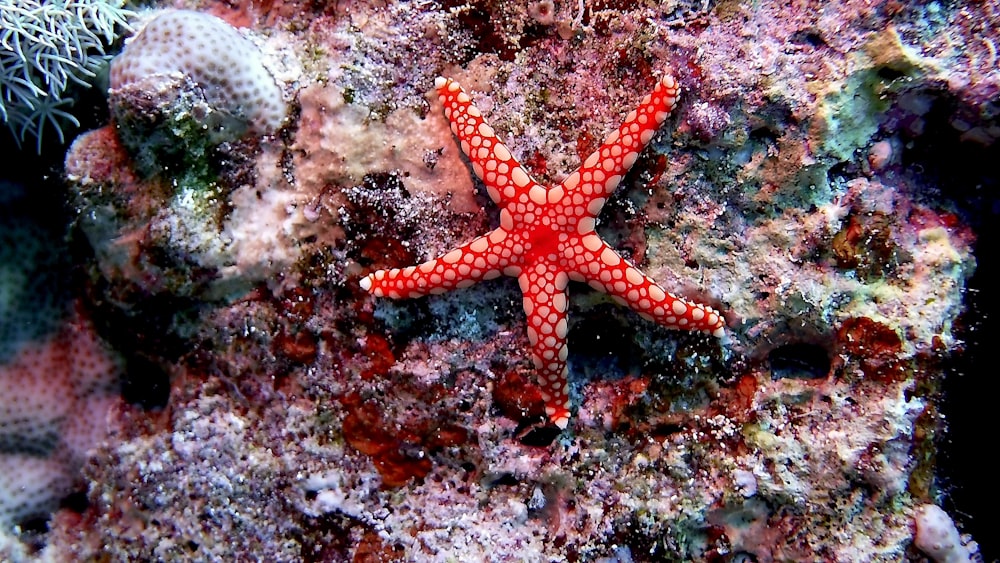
(546, 238)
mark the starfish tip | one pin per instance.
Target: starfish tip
(557, 415)
(439, 82)
(366, 283)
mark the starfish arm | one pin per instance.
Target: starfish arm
(545, 304)
(601, 172)
(605, 270)
(491, 160)
(480, 259)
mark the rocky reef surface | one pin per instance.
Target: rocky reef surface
(823, 182)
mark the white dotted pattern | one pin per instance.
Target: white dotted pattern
(213, 54)
(546, 238)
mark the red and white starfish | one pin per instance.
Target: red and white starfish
(546, 238)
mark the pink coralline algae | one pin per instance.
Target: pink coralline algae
(546, 238)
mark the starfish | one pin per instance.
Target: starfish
(546, 238)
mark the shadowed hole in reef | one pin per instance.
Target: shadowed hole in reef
(799, 360)
(145, 383)
(603, 344)
(33, 529)
(538, 434)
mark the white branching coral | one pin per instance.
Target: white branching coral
(47, 47)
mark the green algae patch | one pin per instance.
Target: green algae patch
(850, 111)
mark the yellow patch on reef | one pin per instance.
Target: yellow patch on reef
(937, 247)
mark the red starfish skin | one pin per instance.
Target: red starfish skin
(546, 238)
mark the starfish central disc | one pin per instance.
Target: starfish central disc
(546, 238)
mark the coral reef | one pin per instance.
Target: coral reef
(58, 378)
(821, 183)
(184, 198)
